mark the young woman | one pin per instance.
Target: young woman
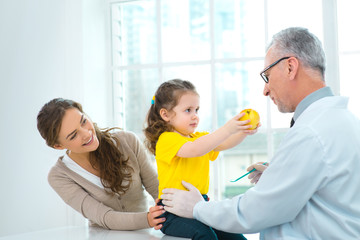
(183, 154)
(104, 173)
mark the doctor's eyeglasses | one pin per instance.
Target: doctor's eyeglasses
(263, 72)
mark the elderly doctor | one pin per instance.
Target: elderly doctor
(310, 190)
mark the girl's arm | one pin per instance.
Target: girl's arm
(211, 141)
(234, 140)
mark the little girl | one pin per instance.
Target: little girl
(183, 154)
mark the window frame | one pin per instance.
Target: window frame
(332, 72)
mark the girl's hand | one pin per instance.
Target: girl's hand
(260, 168)
(152, 215)
(252, 132)
(235, 126)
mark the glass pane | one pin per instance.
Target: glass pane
(234, 162)
(278, 119)
(306, 13)
(348, 15)
(118, 102)
(134, 37)
(349, 48)
(281, 18)
(239, 86)
(139, 87)
(199, 75)
(234, 36)
(235, 165)
(185, 30)
(349, 81)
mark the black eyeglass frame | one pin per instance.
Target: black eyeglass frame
(262, 73)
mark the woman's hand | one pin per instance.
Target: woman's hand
(260, 168)
(152, 215)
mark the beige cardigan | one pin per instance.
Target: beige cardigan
(118, 212)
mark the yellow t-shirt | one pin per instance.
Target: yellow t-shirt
(172, 169)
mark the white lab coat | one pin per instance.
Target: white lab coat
(311, 189)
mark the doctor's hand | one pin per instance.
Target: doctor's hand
(260, 168)
(181, 202)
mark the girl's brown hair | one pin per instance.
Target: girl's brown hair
(167, 96)
(115, 173)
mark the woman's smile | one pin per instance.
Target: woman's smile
(91, 140)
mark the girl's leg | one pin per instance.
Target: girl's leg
(187, 228)
(228, 236)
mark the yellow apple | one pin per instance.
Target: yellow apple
(253, 116)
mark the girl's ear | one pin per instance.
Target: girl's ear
(164, 114)
(58, 146)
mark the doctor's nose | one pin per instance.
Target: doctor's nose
(266, 90)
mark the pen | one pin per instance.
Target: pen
(246, 174)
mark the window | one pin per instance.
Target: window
(219, 45)
(349, 51)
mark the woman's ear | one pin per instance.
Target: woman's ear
(164, 114)
(58, 146)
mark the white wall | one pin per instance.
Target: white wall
(48, 49)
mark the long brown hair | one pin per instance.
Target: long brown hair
(115, 173)
(167, 96)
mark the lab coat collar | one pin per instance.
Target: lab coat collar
(311, 98)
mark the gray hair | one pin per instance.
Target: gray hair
(300, 43)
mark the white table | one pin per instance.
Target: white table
(90, 233)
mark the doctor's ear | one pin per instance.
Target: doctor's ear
(58, 146)
(164, 114)
(293, 65)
